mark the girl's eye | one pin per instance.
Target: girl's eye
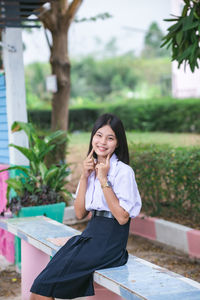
(98, 134)
(110, 139)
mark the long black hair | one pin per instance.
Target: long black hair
(117, 126)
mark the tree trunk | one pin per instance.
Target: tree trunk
(57, 20)
(60, 65)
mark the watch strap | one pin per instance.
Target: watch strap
(107, 184)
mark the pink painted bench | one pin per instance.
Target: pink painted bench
(138, 279)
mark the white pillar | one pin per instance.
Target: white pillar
(15, 90)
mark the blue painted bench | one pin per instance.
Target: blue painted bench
(138, 279)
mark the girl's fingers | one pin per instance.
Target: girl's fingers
(91, 153)
(90, 165)
(108, 158)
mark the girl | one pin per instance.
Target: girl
(108, 189)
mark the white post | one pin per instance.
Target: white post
(15, 90)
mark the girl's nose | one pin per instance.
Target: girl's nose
(103, 140)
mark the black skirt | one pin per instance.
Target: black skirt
(70, 272)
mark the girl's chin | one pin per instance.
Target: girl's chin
(101, 153)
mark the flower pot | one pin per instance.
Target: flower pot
(53, 211)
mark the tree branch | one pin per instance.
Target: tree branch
(71, 11)
(63, 6)
(101, 16)
(47, 18)
(47, 39)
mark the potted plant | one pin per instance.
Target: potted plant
(40, 187)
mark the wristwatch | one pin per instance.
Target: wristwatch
(107, 184)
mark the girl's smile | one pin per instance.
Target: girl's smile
(104, 142)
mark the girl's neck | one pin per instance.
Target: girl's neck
(101, 159)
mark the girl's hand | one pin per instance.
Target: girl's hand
(102, 170)
(88, 165)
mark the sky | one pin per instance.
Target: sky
(85, 38)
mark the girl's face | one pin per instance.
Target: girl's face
(104, 141)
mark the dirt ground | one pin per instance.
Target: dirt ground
(10, 282)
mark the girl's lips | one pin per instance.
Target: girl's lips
(102, 148)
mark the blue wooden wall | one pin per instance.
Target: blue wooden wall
(4, 150)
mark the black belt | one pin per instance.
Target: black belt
(102, 213)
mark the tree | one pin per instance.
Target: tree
(152, 41)
(184, 35)
(57, 19)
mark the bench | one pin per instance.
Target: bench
(138, 279)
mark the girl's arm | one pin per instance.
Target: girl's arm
(118, 212)
(79, 203)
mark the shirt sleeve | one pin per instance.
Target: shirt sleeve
(126, 190)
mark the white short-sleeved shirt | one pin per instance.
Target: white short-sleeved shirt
(122, 179)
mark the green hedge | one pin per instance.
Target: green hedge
(168, 179)
(170, 115)
(41, 118)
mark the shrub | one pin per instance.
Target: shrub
(169, 115)
(168, 178)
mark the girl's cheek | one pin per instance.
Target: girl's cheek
(93, 142)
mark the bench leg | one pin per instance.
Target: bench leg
(32, 263)
(102, 293)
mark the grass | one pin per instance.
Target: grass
(172, 139)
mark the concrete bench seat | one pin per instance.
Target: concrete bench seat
(138, 279)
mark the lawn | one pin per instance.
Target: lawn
(173, 139)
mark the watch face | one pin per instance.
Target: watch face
(109, 183)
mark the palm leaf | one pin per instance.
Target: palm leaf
(28, 153)
(23, 169)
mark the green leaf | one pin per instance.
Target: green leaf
(185, 10)
(51, 174)
(185, 53)
(17, 185)
(165, 43)
(26, 127)
(56, 136)
(196, 15)
(28, 153)
(45, 151)
(23, 169)
(189, 26)
(43, 170)
(179, 37)
(170, 20)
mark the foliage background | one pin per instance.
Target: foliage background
(167, 114)
(168, 179)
